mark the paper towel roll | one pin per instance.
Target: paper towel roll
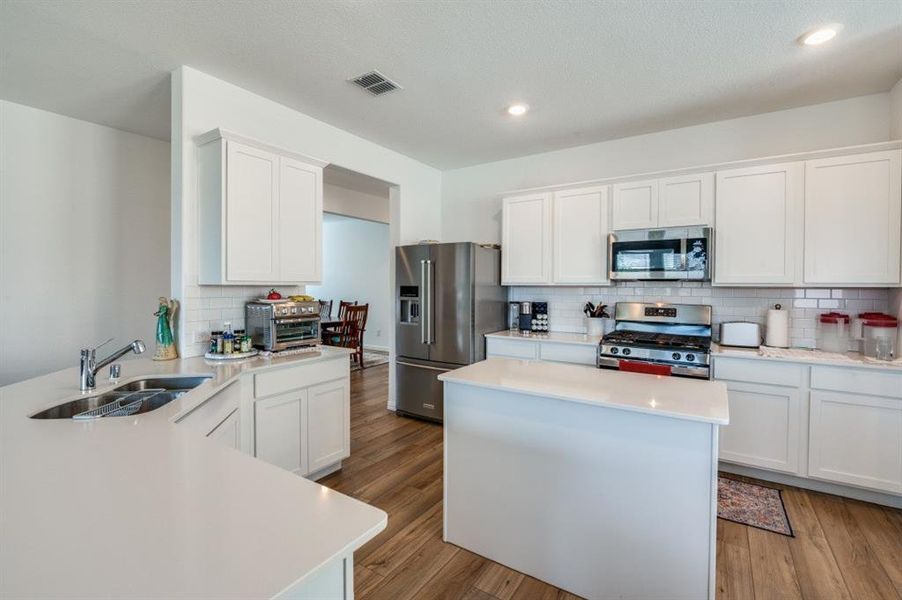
(777, 334)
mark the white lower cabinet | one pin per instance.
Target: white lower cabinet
(328, 424)
(856, 439)
(837, 424)
(305, 431)
(764, 429)
(279, 422)
(508, 348)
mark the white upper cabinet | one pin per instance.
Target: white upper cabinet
(580, 236)
(260, 215)
(686, 200)
(758, 225)
(853, 219)
(300, 220)
(251, 214)
(667, 202)
(526, 240)
(635, 205)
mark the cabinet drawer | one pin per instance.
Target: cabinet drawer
(511, 348)
(757, 371)
(858, 381)
(568, 353)
(284, 380)
(207, 416)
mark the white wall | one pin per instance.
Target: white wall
(895, 102)
(353, 203)
(895, 99)
(356, 267)
(201, 103)
(471, 206)
(84, 238)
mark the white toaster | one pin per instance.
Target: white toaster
(740, 333)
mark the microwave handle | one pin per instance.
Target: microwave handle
(684, 263)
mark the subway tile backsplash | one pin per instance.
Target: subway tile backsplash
(206, 308)
(565, 304)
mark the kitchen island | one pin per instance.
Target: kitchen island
(147, 506)
(599, 482)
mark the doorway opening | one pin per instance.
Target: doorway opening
(356, 266)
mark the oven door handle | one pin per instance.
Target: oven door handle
(295, 320)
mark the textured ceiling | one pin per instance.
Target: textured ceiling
(590, 70)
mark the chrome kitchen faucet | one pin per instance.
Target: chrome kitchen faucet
(90, 366)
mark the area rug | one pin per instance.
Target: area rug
(753, 505)
(371, 359)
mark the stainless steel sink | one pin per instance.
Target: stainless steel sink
(135, 397)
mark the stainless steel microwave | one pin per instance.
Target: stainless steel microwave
(679, 253)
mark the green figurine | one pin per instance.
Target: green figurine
(165, 341)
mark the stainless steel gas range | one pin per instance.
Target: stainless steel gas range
(660, 339)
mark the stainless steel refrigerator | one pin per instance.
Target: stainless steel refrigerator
(447, 297)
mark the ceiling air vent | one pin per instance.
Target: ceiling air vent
(375, 83)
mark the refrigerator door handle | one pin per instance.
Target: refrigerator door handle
(423, 300)
(407, 364)
(430, 269)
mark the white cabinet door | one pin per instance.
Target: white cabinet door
(765, 427)
(511, 348)
(635, 205)
(580, 235)
(686, 200)
(856, 439)
(279, 423)
(758, 231)
(300, 221)
(328, 424)
(228, 432)
(252, 228)
(526, 240)
(853, 219)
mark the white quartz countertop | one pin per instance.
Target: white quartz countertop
(581, 339)
(143, 507)
(806, 356)
(674, 397)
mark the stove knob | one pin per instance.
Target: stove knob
(614, 350)
(677, 356)
(690, 357)
(626, 352)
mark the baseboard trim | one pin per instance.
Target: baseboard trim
(826, 487)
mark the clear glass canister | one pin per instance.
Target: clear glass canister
(880, 333)
(833, 332)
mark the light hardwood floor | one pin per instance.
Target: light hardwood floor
(843, 549)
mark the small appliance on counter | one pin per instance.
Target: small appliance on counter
(533, 317)
(282, 324)
(741, 334)
(526, 316)
(540, 316)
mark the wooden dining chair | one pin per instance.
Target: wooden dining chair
(350, 331)
(325, 310)
(342, 307)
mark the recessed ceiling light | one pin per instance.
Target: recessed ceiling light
(517, 109)
(820, 35)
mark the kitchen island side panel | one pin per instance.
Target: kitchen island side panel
(598, 501)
